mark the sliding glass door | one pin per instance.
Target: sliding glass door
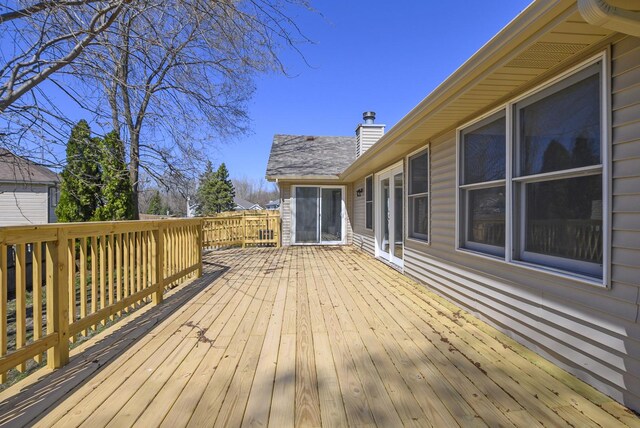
(318, 215)
(307, 215)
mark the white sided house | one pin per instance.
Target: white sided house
(28, 191)
(513, 189)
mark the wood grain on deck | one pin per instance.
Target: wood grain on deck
(324, 336)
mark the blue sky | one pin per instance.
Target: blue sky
(375, 55)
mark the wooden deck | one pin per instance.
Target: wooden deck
(305, 336)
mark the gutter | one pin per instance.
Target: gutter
(27, 183)
(279, 178)
(602, 14)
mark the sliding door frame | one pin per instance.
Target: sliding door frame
(343, 214)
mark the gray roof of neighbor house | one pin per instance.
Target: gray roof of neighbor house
(244, 203)
(309, 156)
(16, 169)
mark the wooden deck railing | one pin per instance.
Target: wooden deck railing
(246, 228)
(85, 274)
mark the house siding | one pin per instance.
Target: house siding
(625, 154)
(362, 237)
(22, 204)
(285, 212)
(589, 331)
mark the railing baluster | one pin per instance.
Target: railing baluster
(145, 261)
(21, 300)
(94, 275)
(138, 262)
(71, 266)
(119, 258)
(111, 268)
(125, 271)
(36, 293)
(132, 266)
(103, 274)
(83, 280)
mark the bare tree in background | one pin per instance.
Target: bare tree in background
(175, 75)
(258, 191)
(170, 77)
(41, 38)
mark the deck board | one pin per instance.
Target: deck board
(320, 336)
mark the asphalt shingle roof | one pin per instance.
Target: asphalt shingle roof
(300, 155)
(16, 169)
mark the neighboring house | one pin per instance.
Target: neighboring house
(513, 189)
(243, 205)
(272, 205)
(28, 191)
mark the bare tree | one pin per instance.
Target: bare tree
(175, 75)
(258, 191)
(39, 39)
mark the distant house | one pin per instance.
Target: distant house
(513, 189)
(244, 205)
(28, 191)
(272, 205)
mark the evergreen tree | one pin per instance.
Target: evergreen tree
(215, 190)
(155, 204)
(80, 186)
(116, 197)
(226, 192)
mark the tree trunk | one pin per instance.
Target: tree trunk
(134, 166)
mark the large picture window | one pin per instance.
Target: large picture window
(368, 202)
(558, 174)
(418, 196)
(554, 175)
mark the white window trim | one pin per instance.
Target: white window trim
(511, 180)
(373, 195)
(426, 148)
(343, 214)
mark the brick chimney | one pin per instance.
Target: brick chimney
(367, 133)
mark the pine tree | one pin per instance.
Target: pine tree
(155, 204)
(116, 196)
(226, 192)
(215, 190)
(80, 186)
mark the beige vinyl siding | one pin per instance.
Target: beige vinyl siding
(367, 137)
(625, 101)
(349, 198)
(590, 331)
(362, 237)
(285, 212)
(23, 204)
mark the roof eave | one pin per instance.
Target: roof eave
(38, 182)
(531, 20)
(277, 178)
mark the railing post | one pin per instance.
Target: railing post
(199, 244)
(244, 230)
(57, 299)
(4, 285)
(158, 264)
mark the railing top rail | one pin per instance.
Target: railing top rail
(46, 232)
